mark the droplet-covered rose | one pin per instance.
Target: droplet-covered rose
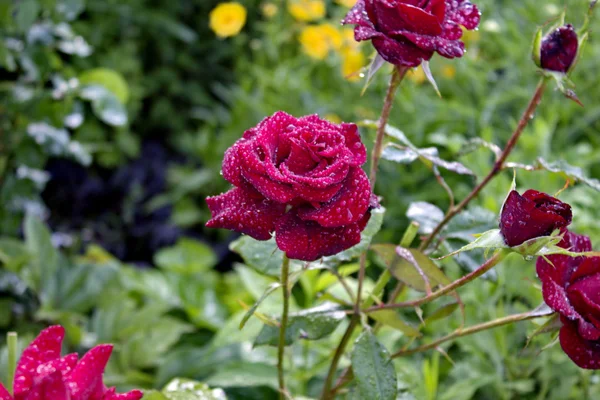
(571, 287)
(42, 374)
(559, 49)
(300, 178)
(532, 215)
(408, 32)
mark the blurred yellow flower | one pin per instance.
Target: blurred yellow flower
(333, 118)
(269, 9)
(318, 40)
(348, 38)
(307, 10)
(353, 61)
(227, 19)
(346, 3)
(448, 71)
(470, 37)
(416, 75)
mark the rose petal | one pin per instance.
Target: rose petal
(348, 206)
(589, 266)
(584, 353)
(49, 387)
(418, 21)
(464, 13)
(400, 51)
(559, 49)
(584, 295)
(132, 395)
(241, 212)
(555, 295)
(309, 241)
(44, 348)
(357, 15)
(354, 144)
(86, 379)
(4, 395)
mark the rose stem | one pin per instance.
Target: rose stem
(498, 165)
(469, 331)
(285, 269)
(12, 344)
(397, 75)
(384, 278)
(486, 266)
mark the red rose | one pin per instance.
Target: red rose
(532, 215)
(42, 374)
(406, 32)
(300, 178)
(558, 49)
(571, 286)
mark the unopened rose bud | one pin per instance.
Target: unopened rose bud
(559, 49)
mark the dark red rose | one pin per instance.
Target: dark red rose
(406, 32)
(559, 49)
(300, 178)
(532, 215)
(571, 286)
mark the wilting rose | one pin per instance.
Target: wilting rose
(300, 178)
(532, 215)
(42, 374)
(571, 286)
(559, 49)
(407, 32)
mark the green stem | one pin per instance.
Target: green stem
(469, 331)
(489, 264)
(498, 165)
(285, 271)
(13, 350)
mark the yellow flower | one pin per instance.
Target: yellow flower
(227, 19)
(353, 61)
(346, 3)
(416, 75)
(470, 37)
(269, 9)
(307, 10)
(448, 71)
(317, 40)
(348, 39)
(333, 118)
(313, 42)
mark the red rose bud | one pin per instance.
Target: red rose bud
(571, 287)
(300, 178)
(407, 32)
(559, 49)
(532, 215)
(43, 374)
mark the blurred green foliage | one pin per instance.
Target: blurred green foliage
(91, 80)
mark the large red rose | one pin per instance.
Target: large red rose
(407, 32)
(300, 178)
(571, 286)
(42, 374)
(532, 215)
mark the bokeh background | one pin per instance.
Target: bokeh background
(114, 116)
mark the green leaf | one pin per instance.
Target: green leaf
(272, 287)
(109, 79)
(373, 369)
(441, 312)
(427, 215)
(25, 14)
(188, 256)
(244, 374)
(262, 256)
(105, 105)
(373, 226)
(392, 318)
(569, 171)
(310, 324)
(491, 239)
(13, 254)
(39, 243)
(406, 272)
(187, 389)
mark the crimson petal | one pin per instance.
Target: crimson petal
(44, 348)
(132, 395)
(4, 395)
(347, 206)
(584, 353)
(242, 212)
(400, 51)
(85, 381)
(309, 241)
(50, 387)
